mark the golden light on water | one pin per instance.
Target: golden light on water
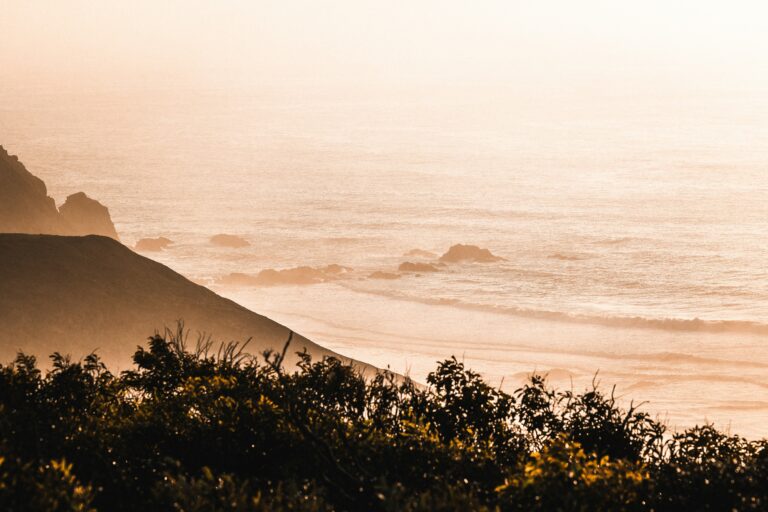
(613, 153)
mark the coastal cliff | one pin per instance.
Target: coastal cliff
(26, 207)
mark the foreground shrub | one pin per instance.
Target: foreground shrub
(198, 429)
(52, 486)
(565, 477)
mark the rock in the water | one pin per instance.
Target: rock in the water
(288, 276)
(461, 252)
(25, 206)
(86, 216)
(298, 275)
(417, 267)
(272, 277)
(233, 241)
(238, 279)
(335, 269)
(153, 244)
(383, 275)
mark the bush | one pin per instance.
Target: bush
(565, 477)
(193, 429)
(52, 486)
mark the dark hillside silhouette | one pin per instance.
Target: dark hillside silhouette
(76, 294)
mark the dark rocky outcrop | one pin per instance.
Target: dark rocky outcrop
(86, 216)
(473, 253)
(274, 277)
(24, 203)
(153, 244)
(232, 241)
(25, 206)
(298, 275)
(384, 275)
(335, 269)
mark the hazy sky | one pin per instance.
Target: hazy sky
(73, 42)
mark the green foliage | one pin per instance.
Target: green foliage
(708, 470)
(564, 477)
(198, 430)
(52, 486)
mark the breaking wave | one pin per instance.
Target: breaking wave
(626, 322)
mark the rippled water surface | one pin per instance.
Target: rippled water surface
(634, 228)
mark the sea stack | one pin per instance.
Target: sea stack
(86, 216)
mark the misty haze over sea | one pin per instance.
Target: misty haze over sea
(633, 227)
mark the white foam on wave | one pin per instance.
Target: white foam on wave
(634, 322)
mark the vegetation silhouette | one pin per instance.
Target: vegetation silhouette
(213, 428)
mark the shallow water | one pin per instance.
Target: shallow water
(633, 227)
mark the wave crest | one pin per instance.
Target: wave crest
(636, 322)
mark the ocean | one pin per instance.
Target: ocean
(633, 225)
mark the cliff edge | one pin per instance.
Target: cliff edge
(25, 206)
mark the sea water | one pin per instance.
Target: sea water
(633, 225)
